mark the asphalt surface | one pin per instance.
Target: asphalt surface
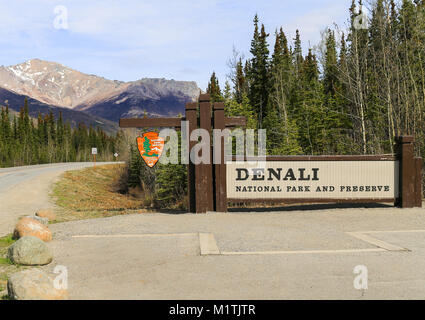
(24, 190)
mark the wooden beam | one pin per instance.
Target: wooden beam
(318, 158)
(204, 97)
(151, 122)
(172, 122)
(310, 201)
(235, 122)
(220, 168)
(191, 110)
(407, 172)
(418, 183)
(204, 176)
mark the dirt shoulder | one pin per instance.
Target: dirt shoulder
(93, 193)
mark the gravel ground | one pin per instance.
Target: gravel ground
(168, 266)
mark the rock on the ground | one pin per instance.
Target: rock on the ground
(46, 213)
(31, 227)
(30, 251)
(33, 284)
(44, 221)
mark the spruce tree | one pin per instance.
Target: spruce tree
(214, 89)
(258, 72)
(240, 83)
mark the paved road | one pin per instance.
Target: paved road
(23, 190)
(309, 254)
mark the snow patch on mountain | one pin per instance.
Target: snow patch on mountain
(58, 85)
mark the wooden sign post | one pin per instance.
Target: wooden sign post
(290, 179)
(206, 182)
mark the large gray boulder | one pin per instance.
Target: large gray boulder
(30, 251)
(33, 284)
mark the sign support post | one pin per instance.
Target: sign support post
(191, 117)
(220, 204)
(204, 172)
(410, 177)
(94, 153)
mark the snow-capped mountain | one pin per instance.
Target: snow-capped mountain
(57, 85)
(53, 83)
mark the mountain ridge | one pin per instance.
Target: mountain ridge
(54, 84)
(16, 102)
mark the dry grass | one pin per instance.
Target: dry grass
(94, 193)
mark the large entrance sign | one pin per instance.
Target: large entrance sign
(291, 179)
(319, 180)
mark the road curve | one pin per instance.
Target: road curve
(23, 190)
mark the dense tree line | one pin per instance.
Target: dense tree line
(350, 95)
(27, 141)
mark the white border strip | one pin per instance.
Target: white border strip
(376, 242)
(394, 231)
(302, 252)
(152, 235)
(208, 244)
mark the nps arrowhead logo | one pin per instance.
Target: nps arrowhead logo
(150, 146)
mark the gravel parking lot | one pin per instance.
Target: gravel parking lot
(291, 254)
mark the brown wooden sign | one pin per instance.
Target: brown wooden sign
(291, 179)
(206, 182)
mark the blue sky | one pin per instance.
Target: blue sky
(173, 39)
